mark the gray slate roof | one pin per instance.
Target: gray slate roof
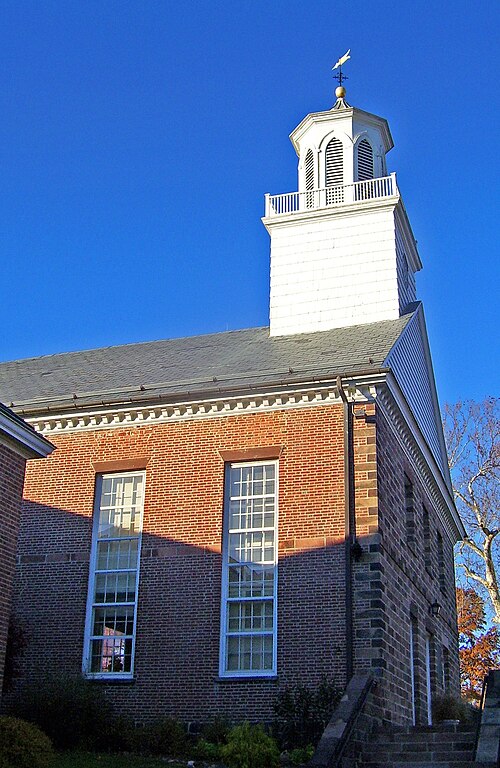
(196, 365)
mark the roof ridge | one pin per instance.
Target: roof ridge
(410, 309)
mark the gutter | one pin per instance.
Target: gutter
(349, 527)
(160, 392)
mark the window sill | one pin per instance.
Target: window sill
(106, 680)
(245, 678)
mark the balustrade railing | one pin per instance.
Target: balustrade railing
(341, 194)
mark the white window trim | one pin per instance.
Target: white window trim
(91, 584)
(225, 576)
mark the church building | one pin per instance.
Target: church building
(227, 515)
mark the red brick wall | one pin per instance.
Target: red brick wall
(176, 664)
(11, 490)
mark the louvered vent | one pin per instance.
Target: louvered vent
(309, 168)
(309, 165)
(365, 160)
(334, 174)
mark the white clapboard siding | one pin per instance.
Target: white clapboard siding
(411, 365)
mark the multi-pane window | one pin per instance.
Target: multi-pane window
(114, 574)
(249, 581)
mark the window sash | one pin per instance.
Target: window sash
(110, 627)
(249, 574)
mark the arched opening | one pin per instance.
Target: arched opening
(334, 172)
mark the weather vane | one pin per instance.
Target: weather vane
(340, 76)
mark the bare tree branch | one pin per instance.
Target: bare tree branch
(472, 432)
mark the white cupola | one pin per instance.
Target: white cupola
(342, 249)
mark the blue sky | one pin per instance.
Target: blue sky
(137, 140)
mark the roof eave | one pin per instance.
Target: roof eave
(144, 395)
(21, 437)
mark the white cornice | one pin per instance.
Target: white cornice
(21, 439)
(337, 211)
(351, 113)
(118, 416)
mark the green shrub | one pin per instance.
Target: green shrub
(207, 750)
(449, 708)
(248, 746)
(70, 710)
(23, 745)
(301, 755)
(115, 734)
(301, 714)
(166, 737)
(216, 731)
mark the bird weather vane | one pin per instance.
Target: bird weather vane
(340, 76)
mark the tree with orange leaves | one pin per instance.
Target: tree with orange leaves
(479, 649)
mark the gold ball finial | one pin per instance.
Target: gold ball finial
(340, 92)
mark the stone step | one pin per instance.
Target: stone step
(460, 728)
(410, 743)
(420, 764)
(422, 736)
(421, 749)
(380, 755)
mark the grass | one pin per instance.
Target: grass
(102, 760)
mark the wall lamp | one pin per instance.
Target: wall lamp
(435, 609)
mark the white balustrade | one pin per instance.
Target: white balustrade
(341, 194)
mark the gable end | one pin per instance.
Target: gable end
(411, 364)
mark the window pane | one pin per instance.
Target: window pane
(249, 653)
(113, 621)
(114, 555)
(111, 655)
(250, 616)
(250, 581)
(257, 547)
(115, 587)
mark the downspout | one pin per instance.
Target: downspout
(349, 527)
